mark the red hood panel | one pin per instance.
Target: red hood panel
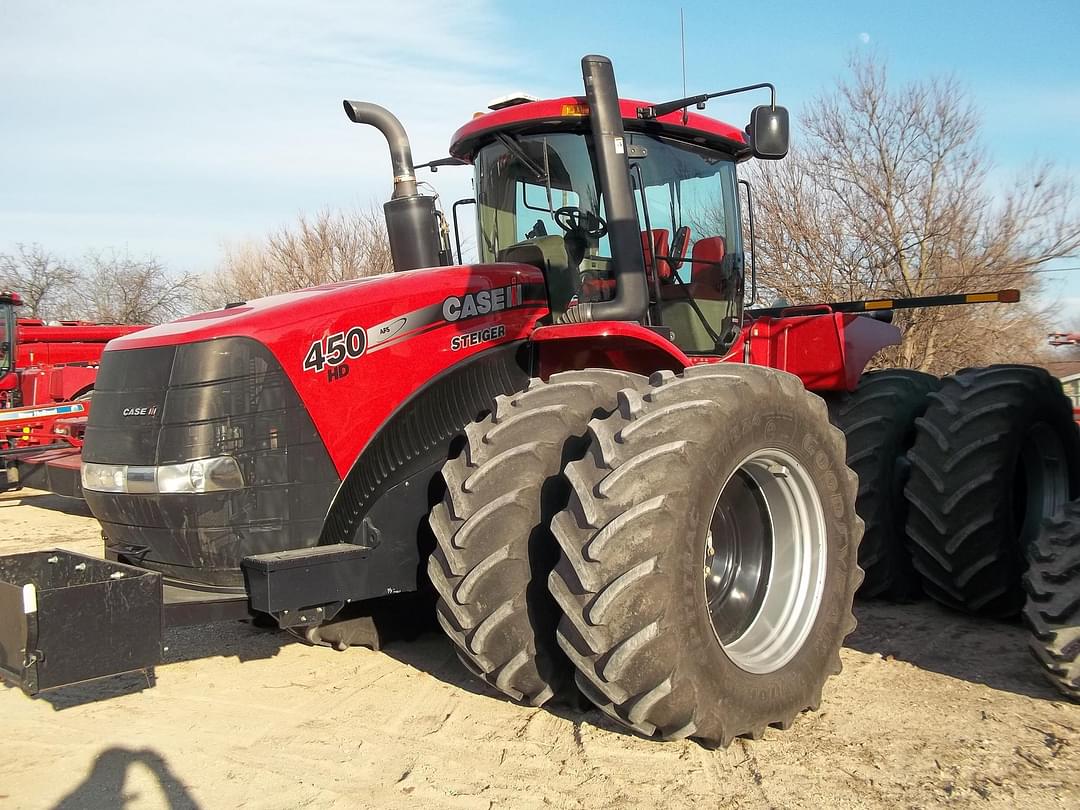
(356, 350)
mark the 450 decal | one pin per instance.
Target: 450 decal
(333, 350)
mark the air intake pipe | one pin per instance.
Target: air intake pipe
(412, 224)
(613, 167)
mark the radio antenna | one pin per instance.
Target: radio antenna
(682, 48)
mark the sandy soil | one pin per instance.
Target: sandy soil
(931, 709)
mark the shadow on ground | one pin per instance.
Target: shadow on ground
(104, 785)
(432, 653)
(983, 651)
(238, 639)
(47, 500)
(986, 652)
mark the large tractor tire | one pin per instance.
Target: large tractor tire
(1052, 610)
(708, 560)
(996, 453)
(494, 546)
(878, 420)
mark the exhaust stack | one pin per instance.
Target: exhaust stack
(613, 167)
(412, 223)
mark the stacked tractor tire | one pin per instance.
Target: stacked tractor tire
(966, 486)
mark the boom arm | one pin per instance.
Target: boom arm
(887, 304)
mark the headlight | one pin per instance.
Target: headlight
(204, 475)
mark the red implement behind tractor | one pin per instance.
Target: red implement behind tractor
(605, 468)
(47, 373)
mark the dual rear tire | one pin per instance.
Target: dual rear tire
(878, 420)
(706, 552)
(1052, 610)
(996, 453)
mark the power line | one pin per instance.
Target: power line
(1012, 272)
(974, 276)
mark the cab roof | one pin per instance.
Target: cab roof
(572, 113)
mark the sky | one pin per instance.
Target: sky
(173, 129)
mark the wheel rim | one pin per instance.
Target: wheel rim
(765, 561)
(1041, 482)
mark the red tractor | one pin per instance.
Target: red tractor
(47, 375)
(611, 471)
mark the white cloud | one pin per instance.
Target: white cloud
(217, 115)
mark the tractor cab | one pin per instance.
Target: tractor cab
(539, 200)
(8, 303)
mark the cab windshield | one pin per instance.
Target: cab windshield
(538, 201)
(7, 338)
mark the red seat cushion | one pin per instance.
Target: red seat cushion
(707, 278)
(658, 246)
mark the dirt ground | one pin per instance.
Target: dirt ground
(931, 709)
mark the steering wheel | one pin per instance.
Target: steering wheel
(574, 220)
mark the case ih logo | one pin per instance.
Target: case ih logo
(484, 302)
(146, 410)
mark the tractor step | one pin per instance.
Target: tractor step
(305, 587)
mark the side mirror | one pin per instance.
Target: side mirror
(678, 246)
(769, 132)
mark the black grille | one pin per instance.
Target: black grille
(170, 405)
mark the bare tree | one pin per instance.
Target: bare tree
(326, 248)
(888, 196)
(44, 280)
(124, 289)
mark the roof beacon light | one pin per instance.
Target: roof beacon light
(511, 100)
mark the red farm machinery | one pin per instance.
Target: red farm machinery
(596, 464)
(47, 373)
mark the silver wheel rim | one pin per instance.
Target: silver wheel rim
(765, 561)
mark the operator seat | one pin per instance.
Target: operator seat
(710, 287)
(657, 246)
(603, 289)
(708, 279)
(548, 254)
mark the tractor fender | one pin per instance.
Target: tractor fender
(605, 344)
(827, 351)
(384, 500)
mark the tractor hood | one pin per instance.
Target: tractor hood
(393, 294)
(353, 351)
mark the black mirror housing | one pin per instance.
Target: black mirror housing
(769, 132)
(678, 247)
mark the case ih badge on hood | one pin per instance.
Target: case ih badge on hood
(484, 302)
